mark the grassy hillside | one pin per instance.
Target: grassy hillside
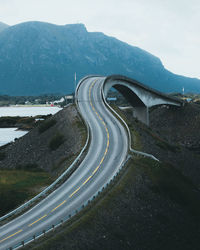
(18, 186)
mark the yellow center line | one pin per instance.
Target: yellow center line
(87, 180)
(58, 206)
(11, 235)
(102, 160)
(95, 170)
(74, 192)
(38, 220)
(106, 150)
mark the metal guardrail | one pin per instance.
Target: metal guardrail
(30, 202)
(69, 216)
(96, 194)
(126, 126)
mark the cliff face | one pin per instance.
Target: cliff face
(38, 58)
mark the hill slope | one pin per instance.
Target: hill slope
(151, 205)
(38, 58)
(3, 26)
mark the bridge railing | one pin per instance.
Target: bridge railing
(60, 222)
(65, 173)
(126, 127)
(91, 198)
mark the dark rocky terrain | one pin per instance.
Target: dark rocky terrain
(35, 160)
(34, 150)
(151, 206)
(39, 58)
(174, 138)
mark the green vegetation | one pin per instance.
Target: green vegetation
(26, 120)
(9, 120)
(56, 141)
(17, 186)
(17, 121)
(46, 125)
(165, 182)
(26, 123)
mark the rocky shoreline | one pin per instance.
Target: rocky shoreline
(34, 149)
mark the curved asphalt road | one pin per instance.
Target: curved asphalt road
(107, 152)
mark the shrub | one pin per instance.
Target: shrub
(46, 125)
(56, 141)
(10, 121)
(26, 120)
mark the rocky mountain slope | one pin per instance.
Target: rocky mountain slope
(38, 58)
(3, 26)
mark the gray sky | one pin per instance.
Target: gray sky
(168, 29)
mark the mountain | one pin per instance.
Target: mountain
(38, 58)
(3, 26)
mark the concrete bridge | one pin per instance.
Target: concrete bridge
(139, 96)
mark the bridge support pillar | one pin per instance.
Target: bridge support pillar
(142, 114)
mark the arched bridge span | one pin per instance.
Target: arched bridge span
(140, 96)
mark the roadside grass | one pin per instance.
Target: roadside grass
(17, 186)
(166, 181)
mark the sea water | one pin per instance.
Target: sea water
(9, 134)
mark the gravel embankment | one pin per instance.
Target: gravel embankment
(33, 149)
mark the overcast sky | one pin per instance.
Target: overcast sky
(169, 29)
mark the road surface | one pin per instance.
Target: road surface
(107, 152)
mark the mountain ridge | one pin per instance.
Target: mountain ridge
(41, 58)
(3, 26)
